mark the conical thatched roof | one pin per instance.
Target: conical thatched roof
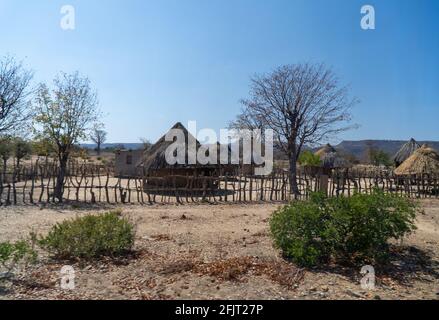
(423, 160)
(405, 152)
(155, 157)
(325, 150)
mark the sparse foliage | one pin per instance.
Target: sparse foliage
(14, 253)
(99, 137)
(64, 116)
(303, 104)
(43, 147)
(14, 95)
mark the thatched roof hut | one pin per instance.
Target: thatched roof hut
(423, 160)
(334, 161)
(405, 152)
(162, 174)
(325, 150)
(331, 159)
(154, 159)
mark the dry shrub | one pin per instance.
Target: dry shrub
(237, 268)
(229, 269)
(161, 237)
(179, 266)
(234, 269)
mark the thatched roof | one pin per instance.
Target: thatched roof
(333, 160)
(155, 157)
(325, 150)
(423, 160)
(405, 152)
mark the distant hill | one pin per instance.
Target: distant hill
(356, 148)
(359, 148)
(132, 146)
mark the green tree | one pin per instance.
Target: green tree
(307, 158)
(21, 149)
(379, 157)
(43, 148)
(64, 116)
(6, 151)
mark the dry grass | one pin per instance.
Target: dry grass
(221, 252)
(423, 160)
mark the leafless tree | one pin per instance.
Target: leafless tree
(303, 104)
(146, 144)
(14, 95)
(98, 136)
(64, 116)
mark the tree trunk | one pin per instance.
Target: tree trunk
(59, 187)
(293, 175)
(5, 161)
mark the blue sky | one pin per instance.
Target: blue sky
(158, 62)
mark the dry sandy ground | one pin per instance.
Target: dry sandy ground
(216, 252)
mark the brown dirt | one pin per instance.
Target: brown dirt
(216, 252)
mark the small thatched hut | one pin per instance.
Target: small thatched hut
(424, 160)
(158, 170)
(325, 150)
(405, 152)
(334, 161)
(331, 159)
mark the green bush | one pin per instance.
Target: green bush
(90, 237)
(12, 253)
(307, 158)
(354, 229)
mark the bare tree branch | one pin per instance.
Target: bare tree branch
(303, 104)
(98, 136)
(15, 108)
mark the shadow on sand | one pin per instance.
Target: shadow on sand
(405, 265)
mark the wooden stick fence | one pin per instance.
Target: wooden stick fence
(97, 184)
